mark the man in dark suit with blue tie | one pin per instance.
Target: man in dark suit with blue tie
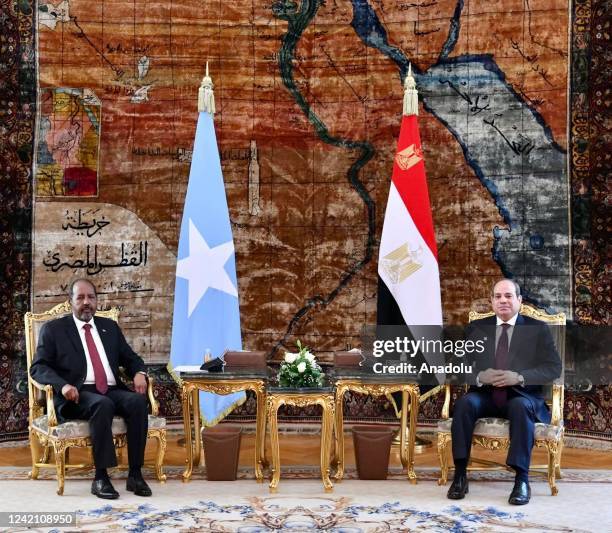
(80, 356)
(519, 357)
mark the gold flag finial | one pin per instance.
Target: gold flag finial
(206, 96)
(411, 97)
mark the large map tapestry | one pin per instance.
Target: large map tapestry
(309, 96)
(309, 100)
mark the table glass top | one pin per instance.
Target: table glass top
(364, 375)
(227, 374)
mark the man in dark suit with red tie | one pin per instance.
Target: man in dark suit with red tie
(80, 355)
(519, 357)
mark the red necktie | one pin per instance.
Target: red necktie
(500, 394)
(96, 362)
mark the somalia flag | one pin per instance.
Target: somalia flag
(206, 312)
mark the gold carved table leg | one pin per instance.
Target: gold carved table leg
(403, 426)
(414, 412)
(327, 427)
(197, 427)
(186, 397)
(273, 403)
(339, 434)
(260, 433)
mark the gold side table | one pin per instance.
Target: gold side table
(376, 386)
(221, 383)
(324, 397)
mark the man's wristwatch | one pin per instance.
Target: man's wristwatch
(521, 379)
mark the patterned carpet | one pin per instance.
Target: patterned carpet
(300, 505)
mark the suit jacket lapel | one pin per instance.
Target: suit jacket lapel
(518, 335)
(491, 341)
(73, 334)
(487, 359)
(106, 342)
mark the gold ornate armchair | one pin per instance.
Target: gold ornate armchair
(47, 435)
(493, 433)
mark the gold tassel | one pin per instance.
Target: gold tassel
(206, 96)
(411, 96)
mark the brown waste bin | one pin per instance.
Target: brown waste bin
(221, 451)
(372, 449)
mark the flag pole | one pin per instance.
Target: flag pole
(408, 204)
(206, 309)
(411, 107)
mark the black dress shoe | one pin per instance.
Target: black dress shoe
(520, 493)
(103, 488)
(138, 486)
(459, 488)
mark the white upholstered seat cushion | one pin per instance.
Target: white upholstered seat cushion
(80, 428)
(500, 427)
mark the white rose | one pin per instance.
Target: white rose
(301, 367)
(290, 357)
(310, 357)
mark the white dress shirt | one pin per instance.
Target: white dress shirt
(90, 378)
(510, 330)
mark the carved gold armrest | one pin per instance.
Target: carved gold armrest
(48, 390)
(152, 400)
(38, 385)
(557, 404)
(447, 398)
(51, 416)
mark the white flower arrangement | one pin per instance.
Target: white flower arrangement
(300, 370)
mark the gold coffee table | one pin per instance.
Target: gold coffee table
(352, 380)
(324, 397)
(221, 383)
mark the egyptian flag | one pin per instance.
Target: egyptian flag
(408, 275)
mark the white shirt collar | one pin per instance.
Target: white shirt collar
(79, 323)
(512, 321)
